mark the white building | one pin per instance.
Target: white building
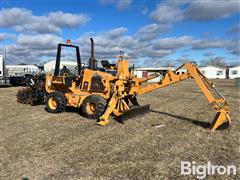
(2, 66)
(213, 72)
(50, 66)
(144, 72)
(20, 70)
(234, 72)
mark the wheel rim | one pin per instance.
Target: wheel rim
(52, 103)
(91, 108)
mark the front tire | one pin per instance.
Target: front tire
(56, 102)
(93, 106)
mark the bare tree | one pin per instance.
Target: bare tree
(186, 59)
(168, 63)
(216, 61)
(22, 64)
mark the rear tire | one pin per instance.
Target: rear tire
(93, 106)
(56, 102)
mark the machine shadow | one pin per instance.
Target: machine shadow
(73, 109)
(202, 124)
(69, 109)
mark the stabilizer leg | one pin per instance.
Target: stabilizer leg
(104, 119)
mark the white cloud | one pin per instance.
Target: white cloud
(206, 44)
(151, 31)
(120, 4)
(123, 4)
(233, 46)
(35, 48)
(107, 43)
(150, 52)
(43, 41)
(7, 36)
(166, 13)
(235, 29)
(22, 20)
(211, 9)
(62, 19)
(208, 54)
(37, 25)
(107, 46)
(32, 48)
(36, 41)
(115, 33)
(14, 17)
(172, 42)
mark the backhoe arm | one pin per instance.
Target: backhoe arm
(220, 105)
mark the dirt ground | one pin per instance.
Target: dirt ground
(35, 144)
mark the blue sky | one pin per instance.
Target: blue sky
(151, 32)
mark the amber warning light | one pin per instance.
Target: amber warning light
(68, 42)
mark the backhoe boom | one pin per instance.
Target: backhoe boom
(220, 105)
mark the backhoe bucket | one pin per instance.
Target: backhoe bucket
(221, 121)
(134, 112)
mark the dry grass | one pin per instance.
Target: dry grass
(39, 145)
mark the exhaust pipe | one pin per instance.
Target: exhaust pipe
(92, 47)
(92, 61)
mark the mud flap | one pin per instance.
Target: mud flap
(133, 112)
(221, 121)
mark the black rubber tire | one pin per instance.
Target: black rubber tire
(100, 106)
(61, 102)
